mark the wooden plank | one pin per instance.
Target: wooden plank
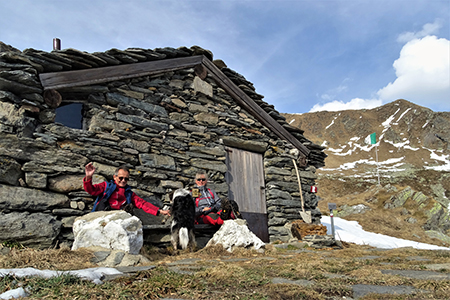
(245, 178)
(59, 80)
(247, 103)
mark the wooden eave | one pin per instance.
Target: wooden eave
(59, 80)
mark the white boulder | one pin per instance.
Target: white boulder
(235, 233)
(115, 230)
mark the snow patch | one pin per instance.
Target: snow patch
(352, 232)
(403, 114)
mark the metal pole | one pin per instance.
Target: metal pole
(378, 171)
(56, 44)
(332, 223)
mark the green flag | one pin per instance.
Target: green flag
(371, 139)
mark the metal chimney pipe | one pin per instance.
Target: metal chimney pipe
(56, 44)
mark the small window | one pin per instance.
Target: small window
(70, 115)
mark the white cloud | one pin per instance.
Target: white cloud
(356, 103)
(423, 73)
(332, 94)
(427, 29)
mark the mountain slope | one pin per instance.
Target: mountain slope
(413, 198)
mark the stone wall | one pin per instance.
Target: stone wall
(165, 127)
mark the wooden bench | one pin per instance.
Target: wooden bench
(159, 235)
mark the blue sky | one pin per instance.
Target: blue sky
(304, 55)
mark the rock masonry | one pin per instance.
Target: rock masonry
(165, 127)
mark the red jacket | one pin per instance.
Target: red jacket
(118, 199)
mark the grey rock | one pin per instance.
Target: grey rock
(100, 256)
(46, 138)
(18, 88)
(301, 282)
(19, 198)
(171, 184)
(157, 161)
(194, 128)
(98, 124)
(141, 146)
(21, 77)
(176, 144)
(67, 212)
(10, 115)
(134, 94)
(283, 185)
(279, 230)
(277, 171)
(36, 180)
(209, 165)
(278, 194)
(36, 230)
(207, 118)
(411, 220)
(278, 162)
(115, 99)
(6, 96)
(416, 274)
(419, 197)
(202, 87)
(438, 235)
(439, 192)
(399, 199)
(285, 203)
(277, 221)
(19, 58)
(361, 290)
(10, 171)
(196, 108)
(67, 222)
(66, 183)
(142, 122)
(35, 97)
(346, 210)
(253, 146)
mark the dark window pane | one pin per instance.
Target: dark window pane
(70, 115)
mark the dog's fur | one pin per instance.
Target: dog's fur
(229, 208)
(183, 213)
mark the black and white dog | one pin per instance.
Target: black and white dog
(183, 213)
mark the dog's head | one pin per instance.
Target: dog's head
(180, 193)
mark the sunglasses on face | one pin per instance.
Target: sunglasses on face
(123, 178)
(201, 179)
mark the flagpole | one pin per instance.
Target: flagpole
(372, 139)
(378, 171)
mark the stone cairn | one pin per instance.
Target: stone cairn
(165, 127)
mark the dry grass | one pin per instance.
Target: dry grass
(223, 275)
(51, 259)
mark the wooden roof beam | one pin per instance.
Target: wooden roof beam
(58, 80)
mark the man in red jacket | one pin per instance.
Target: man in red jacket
(119, 192)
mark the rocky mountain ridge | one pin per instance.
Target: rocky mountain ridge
(408, 137)
(406, 194)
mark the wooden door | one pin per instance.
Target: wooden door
(245, 178)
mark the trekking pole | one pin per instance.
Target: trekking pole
(332, 206)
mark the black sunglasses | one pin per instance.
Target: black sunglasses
(123, 178)
(201, 179)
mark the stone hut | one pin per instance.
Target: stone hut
(165, 113)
